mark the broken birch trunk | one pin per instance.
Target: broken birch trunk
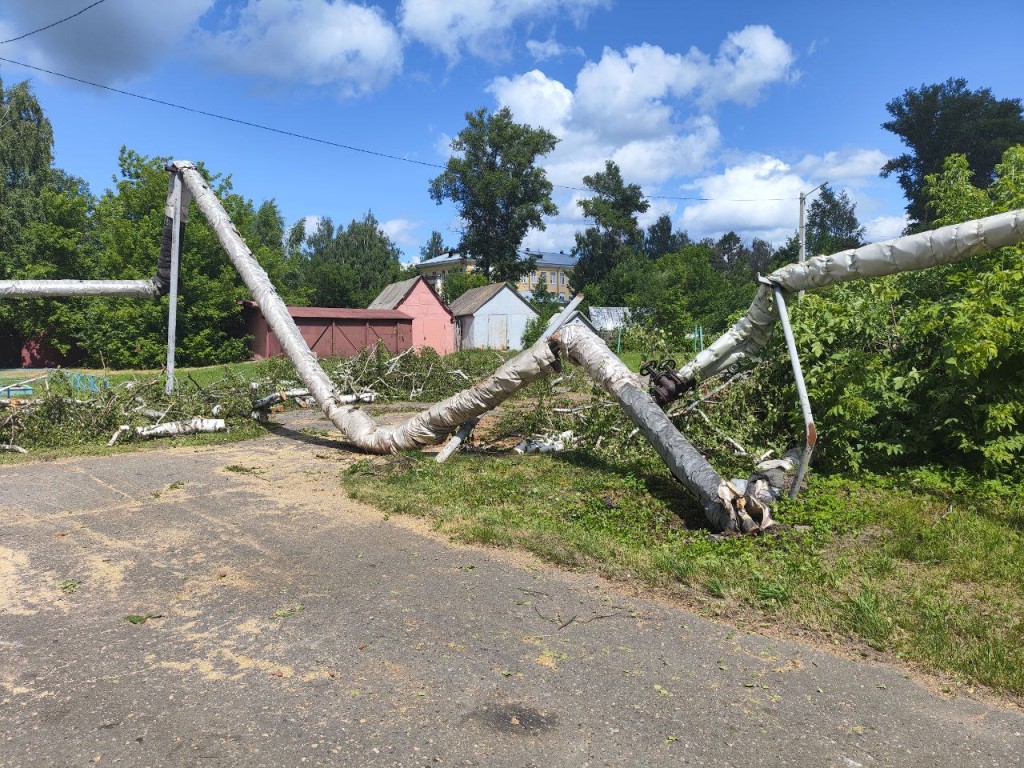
(725, 504)
(172, 429)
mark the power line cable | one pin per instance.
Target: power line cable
(328, 142)
(226, 118)
(54, 24)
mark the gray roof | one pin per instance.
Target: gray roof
(609, 318)
(544, 259)
(444, 259)
(578, 316)
(393, 294)
(549, 259)
(473, 299)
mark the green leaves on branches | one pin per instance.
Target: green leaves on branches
(501, 194)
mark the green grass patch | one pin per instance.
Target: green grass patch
(922, 566)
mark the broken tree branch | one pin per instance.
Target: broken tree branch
(457, 439)
(172, 429)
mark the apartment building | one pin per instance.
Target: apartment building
(555, 268)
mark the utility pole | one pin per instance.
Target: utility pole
(803, 225)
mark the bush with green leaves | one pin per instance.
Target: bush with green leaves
(920, 367)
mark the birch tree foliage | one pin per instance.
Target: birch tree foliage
(615, 235)
(349, 266)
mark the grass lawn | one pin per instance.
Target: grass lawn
(921, 565)
(917, 566)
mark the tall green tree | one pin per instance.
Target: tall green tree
(936, 121)
(501, 193)
(128, 222)
(349, 267)
(831, 226)
(832, 223)
(44, 218)
(615, 235)
(729, 250)
(434, 246)
(660, 239)
(26, 159)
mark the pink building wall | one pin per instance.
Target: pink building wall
(432, 323)
(38, 352)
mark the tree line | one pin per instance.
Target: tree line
(51, 225)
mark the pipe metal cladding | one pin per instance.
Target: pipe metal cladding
(726, 507)
(51, 289)
(430, 427)
(945, 245)
(686, 463)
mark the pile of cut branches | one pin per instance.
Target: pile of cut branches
(63, 415)
(413, 375)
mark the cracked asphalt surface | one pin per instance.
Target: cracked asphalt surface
(280, 624)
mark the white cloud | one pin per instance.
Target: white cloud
(649, 110)
(542, 50)
(479, 27)
(560, 235)
(631, 106)
(315, 42)
(535, 99)
(757, 198)
(653, 161)
(109, 43)
(636, 87)
(747, 61)
(842, 167)
(627, 92)
(403, 232)
(884, 228)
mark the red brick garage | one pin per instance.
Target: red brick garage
(332, 331)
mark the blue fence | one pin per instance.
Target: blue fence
(26, 382)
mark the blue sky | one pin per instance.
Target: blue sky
(742, 103)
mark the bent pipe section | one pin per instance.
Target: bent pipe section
(435, 424)
(430, 427)
(686, 463)
(945, 245)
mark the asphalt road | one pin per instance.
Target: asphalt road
(290, 626)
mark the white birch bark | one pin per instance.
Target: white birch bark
(172, 428)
